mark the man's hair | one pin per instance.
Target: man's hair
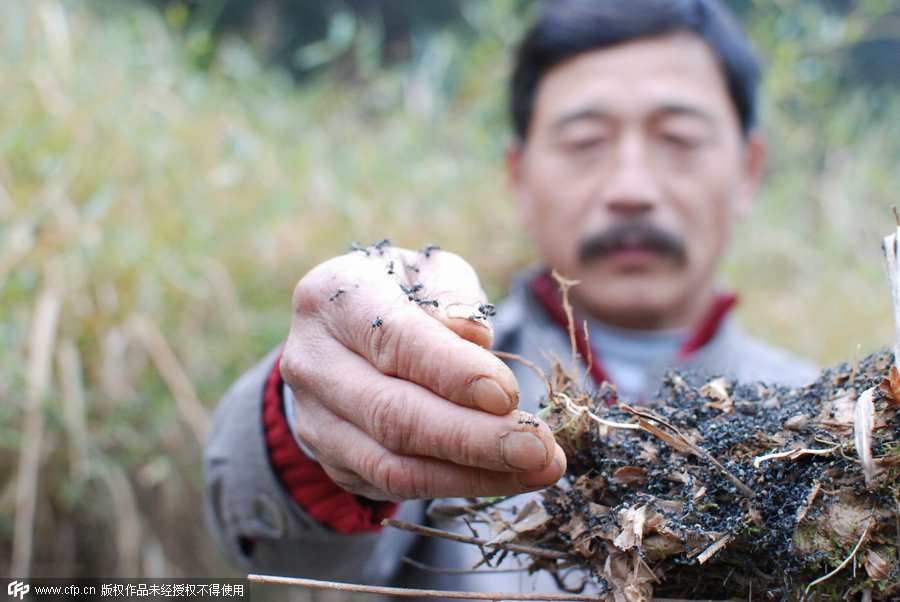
(570, 27)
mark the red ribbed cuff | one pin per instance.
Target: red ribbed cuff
(305, 479)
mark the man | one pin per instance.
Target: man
(635, 153)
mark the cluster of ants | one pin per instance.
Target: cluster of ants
(413, 292)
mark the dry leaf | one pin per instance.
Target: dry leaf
(863, 423)
(891, 386)
(842, 409)
(631, 520)
(877, 567)
(532, 516)
(795, 423)
(717, 393)
(631, 475)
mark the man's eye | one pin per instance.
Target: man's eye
(681, 141)
(584, 144)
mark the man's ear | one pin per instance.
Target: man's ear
(754, 168)
(515, 175)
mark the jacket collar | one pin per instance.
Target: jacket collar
(546, 292)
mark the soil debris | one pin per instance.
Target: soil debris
(720, 490)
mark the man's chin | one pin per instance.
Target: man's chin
(634, 299)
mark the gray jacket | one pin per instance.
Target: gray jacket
(246, 503)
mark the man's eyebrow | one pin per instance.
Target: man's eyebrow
(663, 110)
(669, 109)
(588, 114)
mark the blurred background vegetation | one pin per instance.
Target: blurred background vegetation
(168, 170)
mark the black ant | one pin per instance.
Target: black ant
(377, 322)
(411, 290)
(433, 302)
(390, 267)
(487, 310)
(355, 247)
(428, 249)
(529, 420)
(381, 245)
(337, 294)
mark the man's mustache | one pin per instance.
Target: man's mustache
(632, 235)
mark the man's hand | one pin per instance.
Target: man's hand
(397, 394)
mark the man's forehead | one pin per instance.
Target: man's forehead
(673, 74)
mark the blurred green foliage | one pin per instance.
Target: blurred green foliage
(162, 189)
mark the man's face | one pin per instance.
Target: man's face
(632, 176)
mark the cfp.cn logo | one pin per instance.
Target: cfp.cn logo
(17, 589)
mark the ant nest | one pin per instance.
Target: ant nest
(723, 490)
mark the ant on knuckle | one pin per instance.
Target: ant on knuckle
(354, 246)
(487, 310)
(382, 245)
(528, 419)
(430, 248)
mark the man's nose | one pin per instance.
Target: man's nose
(630, 184)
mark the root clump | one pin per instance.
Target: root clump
(720, 490)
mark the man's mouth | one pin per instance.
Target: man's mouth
(632, 244)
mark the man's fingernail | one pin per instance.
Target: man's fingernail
(486, 394)
(523, 451)
(544, 478)
(461, 310)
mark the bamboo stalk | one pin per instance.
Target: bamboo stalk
(40, 358)
(70, 368)
(174, 375)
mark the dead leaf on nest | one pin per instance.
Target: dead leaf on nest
(876, 566)
(658, 546)
(795, 423)
(891, 386)
(631, 576)
(717, 392)
(631, 520)
(863, 424)
(631, 475)
(533, 516)
(842, 409)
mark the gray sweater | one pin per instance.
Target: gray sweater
(246, 503)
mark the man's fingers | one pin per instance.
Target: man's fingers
(417, 330)
(407, 419)
(369, 469)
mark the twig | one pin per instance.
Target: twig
(793, 454)
(584, 411)
(564, 286)
(447, 571)
(843, 564)
(512, 547)
(528, 363)
(414, 593)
